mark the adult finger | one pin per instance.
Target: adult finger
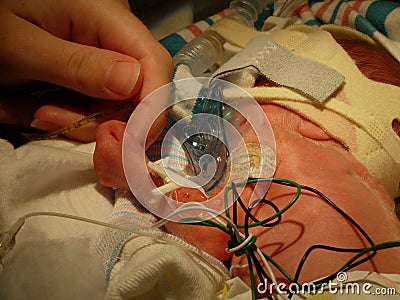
(126, 34)
(34, 54)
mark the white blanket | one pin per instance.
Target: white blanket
(53, 258)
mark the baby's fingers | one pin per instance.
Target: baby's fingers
(108, 154)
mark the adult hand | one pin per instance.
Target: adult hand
(98, 48)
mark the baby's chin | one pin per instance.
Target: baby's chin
(211, 240)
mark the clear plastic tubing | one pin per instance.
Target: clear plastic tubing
(205, 50)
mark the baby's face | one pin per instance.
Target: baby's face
(307, 155)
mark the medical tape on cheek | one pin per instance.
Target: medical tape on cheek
(281, 66)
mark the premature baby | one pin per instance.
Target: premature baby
(309, 155)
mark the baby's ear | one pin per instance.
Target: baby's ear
(310, 130)
(278, 115)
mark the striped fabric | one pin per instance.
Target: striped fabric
(367, 16)
(129, 213)
(174, 42)
(380, 19)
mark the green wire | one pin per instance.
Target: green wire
(279, 267)
(375, 247)
(245, 250)
(277, 180)
(251, 274)
(202, 222)
(295, 198)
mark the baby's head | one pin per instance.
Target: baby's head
(374, 61)
(307, 154)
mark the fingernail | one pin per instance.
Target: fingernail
(122, 77)
(43, 125)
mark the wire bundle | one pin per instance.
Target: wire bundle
(241, 243)
(245, 243)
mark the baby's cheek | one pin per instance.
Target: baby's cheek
(211, 240)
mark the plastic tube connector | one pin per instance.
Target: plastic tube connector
(244, 11)
(207, 49)
(202, 52)
(7, 238)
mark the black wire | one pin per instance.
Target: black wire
(236, 198)
(329, 248)
(336, 249)
(342, 212)
(262, 275)
(252, 259)
(266, 223)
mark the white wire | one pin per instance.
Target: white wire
(233, 267)
(267, 265)
(190, 206)
(269, 270)
(241, 245)
(139, 231)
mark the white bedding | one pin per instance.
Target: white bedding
(53, 258)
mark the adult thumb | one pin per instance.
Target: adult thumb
(96, 72)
